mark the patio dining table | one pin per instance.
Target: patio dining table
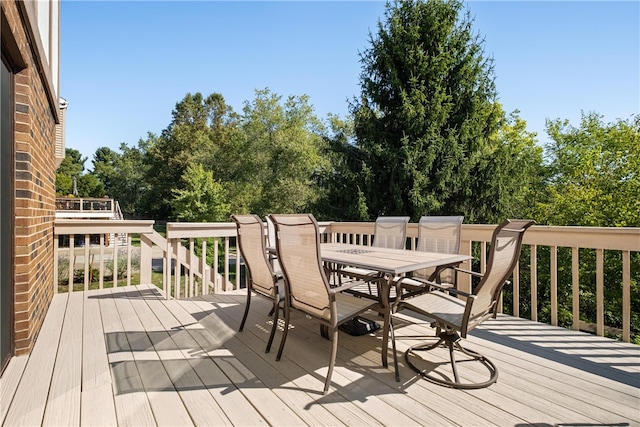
(390, 264)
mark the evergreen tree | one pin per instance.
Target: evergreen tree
(103, 161)
(340, 198)
(72, 168)
(427, 113)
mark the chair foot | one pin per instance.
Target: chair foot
(444, 378)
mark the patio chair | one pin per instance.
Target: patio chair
(271, 242)
(261, 277)
(307, 286)
(435, 234)
(389, 232)
(454, 317)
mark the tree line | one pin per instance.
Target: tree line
(426, 135)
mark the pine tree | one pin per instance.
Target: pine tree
(426, 112)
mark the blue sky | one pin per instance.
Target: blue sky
(125, 65)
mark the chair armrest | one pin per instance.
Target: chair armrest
(473, 273)
(438, 286)
(401, 279)
(426, 283)
(346, 286)
(455, 291)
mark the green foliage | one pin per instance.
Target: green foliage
(427, 117)
(120, 269)
(202, 199)
(90, 186)
(281, 153)
(508, 174)
(190, 138)
(595, 173)
(72, 166)
(104, 160)
(128, 184)
(341, 197)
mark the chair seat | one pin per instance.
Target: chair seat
(350, 306)
(439, 306)
(370, 291)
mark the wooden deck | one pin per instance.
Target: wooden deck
(127, 356)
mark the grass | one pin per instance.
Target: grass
(156, 279)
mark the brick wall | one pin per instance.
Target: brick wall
(34, 160)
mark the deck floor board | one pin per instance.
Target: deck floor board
(128, 356)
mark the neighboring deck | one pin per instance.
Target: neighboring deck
(127, 356)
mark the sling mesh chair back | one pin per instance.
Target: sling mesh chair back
(439, 234)
(389, 232)
(307, 286)
(271, 242)
(454, 317)
(261, 278)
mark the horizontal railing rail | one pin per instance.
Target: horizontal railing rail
(201, 258)
(73, 204)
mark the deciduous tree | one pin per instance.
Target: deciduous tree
(281, 153)
(202, 199)
(595, 173)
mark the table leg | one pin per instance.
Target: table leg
(386, 310)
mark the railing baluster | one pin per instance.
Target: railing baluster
(626, 296)
(600, 292)
(575, 287)
(516, 290)
(226, 264)
(204, 268)
(217, 286)
(192, 255)
(87, 272)
(176, 283)
(72, 260)
(128, 237)
(166, 268)
(553, 269)
(101, 263)
(115, 261)
(534, 283)
(238, 260)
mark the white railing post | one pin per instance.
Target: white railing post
(600, 292)
(534, 283)
(146, 259)
(575, 287)
(553, 269)
(626, 295)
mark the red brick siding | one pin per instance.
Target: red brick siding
(34, 186)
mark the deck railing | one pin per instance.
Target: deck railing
(201, 258)
(68, 205)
